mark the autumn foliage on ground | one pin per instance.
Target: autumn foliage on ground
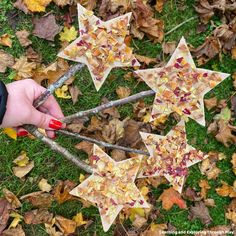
(40, 205)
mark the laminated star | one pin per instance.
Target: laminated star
(180, 86)
(111, 186)
(101, 45)
(170, 156)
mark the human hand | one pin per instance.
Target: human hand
(20, 110)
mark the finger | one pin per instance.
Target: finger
(51, 134)
(21, 132)
(45, 121)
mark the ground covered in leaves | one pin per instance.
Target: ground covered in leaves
(35, 181)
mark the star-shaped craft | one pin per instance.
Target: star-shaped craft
(180, 86)
(170, 156)
(100, 45)
(111, 186)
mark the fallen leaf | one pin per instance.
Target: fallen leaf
(19, 4)
(46, 27)
(145, 60)
(23, 68)
(86, 147)
(170, 197)
(205, 10)
(155, 230)
(123, 92)
(5, 208)
(22, 36)
(66, 226)
(112, 111)
(233, 52)
(17, 219)
(219, 230)
(191, 195)
(38, 216)
(52, 230)
(63, 92)
(33, 55)
(159, 5)
(118, 155)
(201, 212)
(209, 202)
(139, 222)
(44, 186)
(20, 172)
(62, 189)
(6, 60)
(5, 40)
(11, 198)
(68, 34)
(233, 161)
(168, 47)
(22, 160)
(208, 167)
(75, 93)
(226, 190)
(18, 231)
(210, 103)
(231, 211)
(78, 218)
(62, 3)
(10, 133)
(36, 5)
(204, 185)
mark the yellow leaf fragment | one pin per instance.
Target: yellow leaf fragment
(20, 172)
(22, 160)
(17, 219)
(10, 133)
(79, 219)
(68, 34)
(44, 185)
(36, 5)
(63, 92)
(5, 40)
(81, 178)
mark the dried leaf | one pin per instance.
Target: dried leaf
(74, 92)
(38, 216)
(123, 92)
(170, 197)
(145, 60)
(46, 27)
(44, 185)
(10, 133)
(5, 40)
(68, 34)
(209, 202)
(39, 199)
(6, 60)
(19, 4)
(155, 230)
(233, 52)
(204, 185)
(118, 155)
(201, 212)
(63, 92)
(191, 194)
(159, 5)
(22, 36)
(20, 172)
(210, 103)
(168, 47)
(52, 230)
(22, 160)
(233, 161)
(86, 147)
(36, 5)
(11, 198)
(205, 10)
(231, 211)
(5, 208)
(78, 218)
(208, 167)
(17, 219)
(33, 55)
(65, 225)
(226, 190)
(18, 231)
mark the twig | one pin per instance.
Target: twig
(41, 99)
(178, 26)
(108, 145)
(95, 110)
(59, 149)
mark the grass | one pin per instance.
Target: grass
(54, 167)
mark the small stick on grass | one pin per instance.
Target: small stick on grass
(59, 149)
(118, 102)
(101, 143)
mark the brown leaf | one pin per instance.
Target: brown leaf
(52, 230)
(205, 10)
(170, 197)
(62, 3)
(159, 5)
(233, 52)
(118, 155)
(76, 127)
(201, 212)
(19, 4)
(38, 216)
(33, 55)
(6, 60)
(145, 60)
(231, 211)
(46, 27)
(89, 4)
(20, 172)
(155, 230)
(11, 198)
(5, 208)
(168, 47)
(65, 225)
(22, 36)
(112, 111)
(18, 231)
(86, 147)
(61, 191)
(210, 103)
(233, 161)
(123, 92)
(191, 194)
(208, 50)
(226, 190)
(74, 92)
(5, 40)
(204, 185)
(209, 202)
(208, 167)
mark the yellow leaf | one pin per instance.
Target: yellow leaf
(63, 92)
(79, 219)
(81, 178)
(36, 5)
(44, 186)
(21, 160)
(5, 40)
(146, 118)
(17, 218)
(68, 34)
(136, 211)
(10, 133)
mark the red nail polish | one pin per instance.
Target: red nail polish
(55, 124)
(22, 133)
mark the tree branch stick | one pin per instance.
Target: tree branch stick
(101, 143)
(95, 110)
(44, 96)
(59, 149)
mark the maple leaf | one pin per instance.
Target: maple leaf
(168, 47)
(123, 92)
(5, 40)
(204, 185)
(45, 27)
(68, 34)
(36, 5)
(231, 211)
(210, 103)
(170, 197)
(38, 216)
(6, 60)
(208, 167)
(226, 190)
(22, 36)
(65, 225)
(23, 68)
(19, 4)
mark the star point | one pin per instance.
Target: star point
(101, 45)
(111, 186)
(170, 156)
(180, 86)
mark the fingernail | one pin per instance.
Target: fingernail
(22, 133)
(55, 124)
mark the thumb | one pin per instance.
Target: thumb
(45, 121)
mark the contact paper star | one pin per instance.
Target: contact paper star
(170, 156)
(180, 86)
(101, 45)
(111, 186)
